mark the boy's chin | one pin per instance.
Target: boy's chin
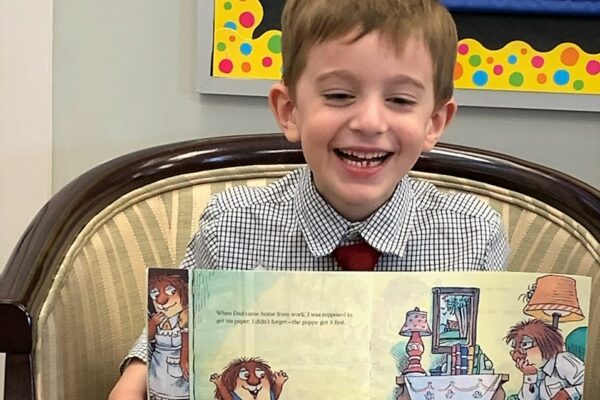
(358, 208)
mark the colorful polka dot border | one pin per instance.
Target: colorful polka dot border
(517, 66)
(235, 53)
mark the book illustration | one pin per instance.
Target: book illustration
(168, 340)
(386, 336)
(248, 379)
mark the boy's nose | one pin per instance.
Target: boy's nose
(369, 117)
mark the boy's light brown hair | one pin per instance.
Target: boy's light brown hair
(306, 23)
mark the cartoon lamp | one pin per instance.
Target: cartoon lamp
(555, 298)
(415, 326)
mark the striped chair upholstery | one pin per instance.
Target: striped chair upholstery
(94, 306)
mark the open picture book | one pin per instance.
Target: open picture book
(265, 335)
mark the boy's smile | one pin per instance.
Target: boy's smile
(363, 112)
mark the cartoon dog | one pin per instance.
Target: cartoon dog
(248, 379)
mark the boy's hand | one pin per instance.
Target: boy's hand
(132, 384)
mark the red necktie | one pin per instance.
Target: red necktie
(356, 257)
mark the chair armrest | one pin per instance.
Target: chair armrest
(17, 342)
(15, 330)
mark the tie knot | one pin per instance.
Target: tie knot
(357, 257)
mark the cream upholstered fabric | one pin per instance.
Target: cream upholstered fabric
(95, 308)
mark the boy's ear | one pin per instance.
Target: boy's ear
(283, 108)
(438, 123)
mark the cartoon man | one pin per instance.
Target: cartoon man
(549, 372)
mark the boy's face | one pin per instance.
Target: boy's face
(363, 113)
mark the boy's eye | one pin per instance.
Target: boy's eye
(403, 101)
(338, 97)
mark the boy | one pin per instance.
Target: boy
(367, 86)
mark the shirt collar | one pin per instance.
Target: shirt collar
(548, 368)
(387, 230)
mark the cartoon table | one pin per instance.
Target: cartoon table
(483, 387)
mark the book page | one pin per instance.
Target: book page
(311, 332)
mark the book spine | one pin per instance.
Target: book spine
(470, 359)
(455, 359)
(464, 359)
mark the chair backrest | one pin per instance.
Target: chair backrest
(79, 270)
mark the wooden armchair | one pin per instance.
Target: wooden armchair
(72, 295)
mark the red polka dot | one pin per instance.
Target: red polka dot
(226, 66)
(537, 62)
(246, 19)
(593, 67)
(463, 49)
(267, 61)
(498, 69)
(246, 67)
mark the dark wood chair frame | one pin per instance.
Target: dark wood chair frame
(33, 263)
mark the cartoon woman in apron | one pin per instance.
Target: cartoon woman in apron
(168, 370)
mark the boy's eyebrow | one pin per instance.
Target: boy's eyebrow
(406, 79)
(338, 73)
(400, 79)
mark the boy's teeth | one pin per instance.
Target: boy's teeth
(362, 159)
(366, 156)
(364, 164)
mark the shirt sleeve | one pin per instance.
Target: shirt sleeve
(497, 249)
(138, 351)
(529, 390)
(571, 370)
(203, 250)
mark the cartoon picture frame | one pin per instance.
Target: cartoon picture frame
(472, 306)
(207, 83)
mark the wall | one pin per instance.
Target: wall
(566, 141)
(125, 79)
(25, 115)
